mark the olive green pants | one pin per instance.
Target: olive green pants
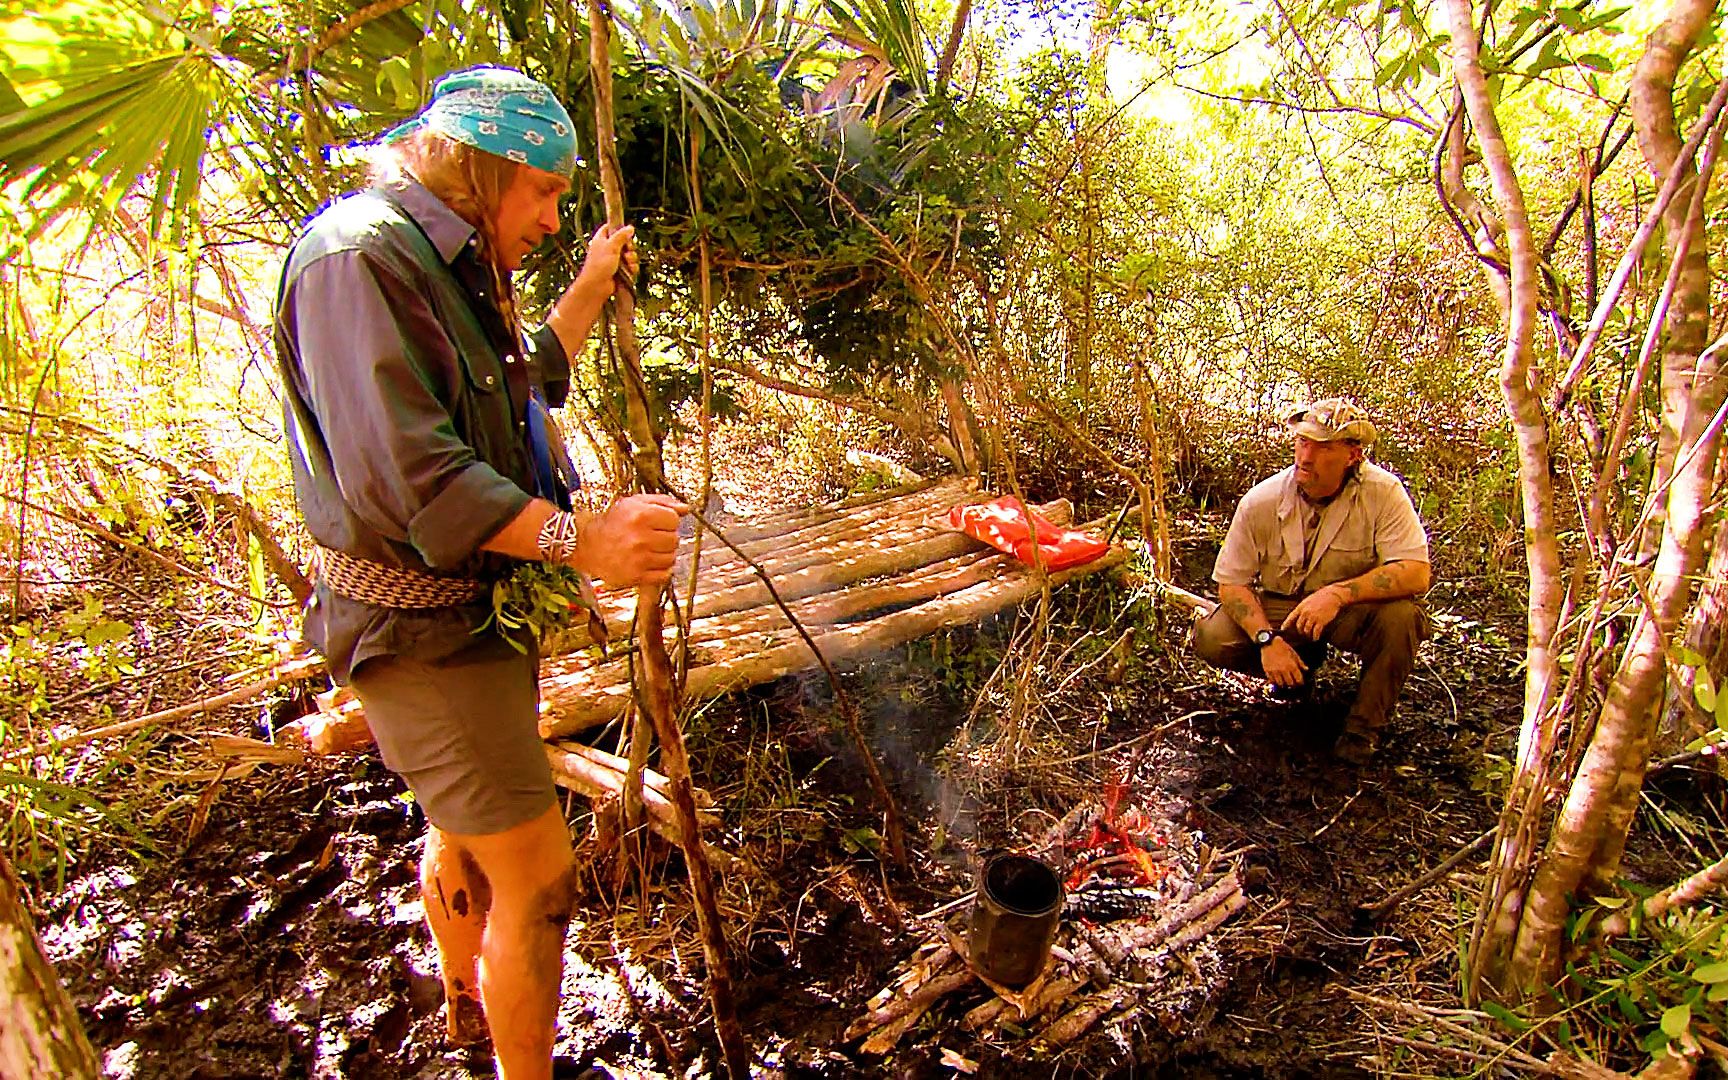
(1384, 634)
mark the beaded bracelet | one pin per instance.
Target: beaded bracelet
(557, 537)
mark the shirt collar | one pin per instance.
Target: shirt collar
(443, 226)
(1291, 496)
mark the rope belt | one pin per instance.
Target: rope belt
(393, 586)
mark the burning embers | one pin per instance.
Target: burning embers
(1075, 930)
(1118, 868)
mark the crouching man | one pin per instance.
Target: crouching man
(1326, 552)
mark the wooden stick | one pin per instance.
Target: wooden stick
(1148, 936)
(1379, 911)
(916, 1003)
(919, 1004)
(657, 697)
(285, 674)
(1079, 1020)
(1208, 922)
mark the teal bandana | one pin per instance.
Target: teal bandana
(501, 111)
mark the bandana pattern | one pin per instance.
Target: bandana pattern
(501, 111)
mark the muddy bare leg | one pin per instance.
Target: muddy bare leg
(457, 897)
(531, 870)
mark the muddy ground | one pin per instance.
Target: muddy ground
(283, 938)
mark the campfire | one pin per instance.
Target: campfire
(1104, 902)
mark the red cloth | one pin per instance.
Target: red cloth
(1002, 525)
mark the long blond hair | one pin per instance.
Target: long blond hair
(470, 182)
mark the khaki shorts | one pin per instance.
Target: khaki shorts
(464, 734)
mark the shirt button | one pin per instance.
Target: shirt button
(491, 379)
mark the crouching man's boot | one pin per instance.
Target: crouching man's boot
(1385, 636)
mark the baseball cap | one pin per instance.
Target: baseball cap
(1330, 419)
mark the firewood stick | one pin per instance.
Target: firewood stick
(913, 1005)
(920, 972)
(1163, 928)
(1051, 993)
(1078, 1020)
(1065, 828)
(1207, 923)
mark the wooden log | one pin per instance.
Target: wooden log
(712, 637)
(1207, 923)
(573, 705)
(894, 1019)
(802, 546)
(621, 766)
(593, 780)
(337, 727)
(778, 522)
(40, 1033)
(716, 638)
(1148, 936)
(1079, 1020)
(861, 552)
(586, 770)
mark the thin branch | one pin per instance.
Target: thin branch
(1678, 176)
(149, 553)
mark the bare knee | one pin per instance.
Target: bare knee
(450, 878)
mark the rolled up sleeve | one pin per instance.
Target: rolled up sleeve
(1238, 560)
(380, 381)
(1398, 534)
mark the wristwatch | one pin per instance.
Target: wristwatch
(1264, 638)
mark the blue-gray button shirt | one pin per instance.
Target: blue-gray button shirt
(405, 396)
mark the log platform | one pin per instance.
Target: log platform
(861, 576)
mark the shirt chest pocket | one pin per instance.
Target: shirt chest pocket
(480, 402)
(1350, 554)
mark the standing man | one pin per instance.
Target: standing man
(421, 467)
(1326, 552)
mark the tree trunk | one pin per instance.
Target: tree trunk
(1520, 948)
(40, 1034)
(1503, 906)
(1706, 636)
(1651, 99)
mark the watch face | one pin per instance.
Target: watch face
(1264, 638)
